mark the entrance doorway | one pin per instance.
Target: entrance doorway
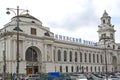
(32, 55)
(31, 69)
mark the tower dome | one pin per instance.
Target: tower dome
(27, 18)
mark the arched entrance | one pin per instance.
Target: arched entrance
(114, 61)
(31, 56)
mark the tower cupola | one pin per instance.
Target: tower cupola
(105, 19)
(106, 29)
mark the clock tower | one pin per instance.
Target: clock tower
(106, 30)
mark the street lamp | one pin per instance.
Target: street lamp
(4, 55)
(17, 29)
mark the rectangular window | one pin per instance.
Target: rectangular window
(33, 31)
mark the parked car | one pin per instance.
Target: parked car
(115, 77)
(79, 76)
(32, 77)
(96, 77)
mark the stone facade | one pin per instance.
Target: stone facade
(40, 51)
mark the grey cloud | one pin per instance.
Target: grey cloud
(86, 18)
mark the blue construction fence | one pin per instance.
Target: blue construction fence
(55, 76)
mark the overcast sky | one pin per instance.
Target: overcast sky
(73, 18)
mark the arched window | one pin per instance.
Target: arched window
(59, 55)
(99, 68)
(72, 69)
(108, 21)
(113, 46)
(54, 55)
(31, 55)
(93, 58)
(103, 21)
(101, 58)
(80, 57)
(77, 69)
(95, 68)
(91, 68)
(82, 68)
(85, 57)
(60, 68)
(66, 68)
(111, 36)
(89, 58)
(97, 58)
(102, 69)
(65, 56)
(86, 68)
(70, 56)
(75, 56)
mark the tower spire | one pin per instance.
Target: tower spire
(105, 13)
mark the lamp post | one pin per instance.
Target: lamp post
(106, 63)
(106, 66)
(32, 58)
(17, 29)
(4, 55)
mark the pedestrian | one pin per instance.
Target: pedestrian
(14, 77)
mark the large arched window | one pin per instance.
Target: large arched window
(31, 55)
(59, 55)
(65, 56)
(70, 56)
